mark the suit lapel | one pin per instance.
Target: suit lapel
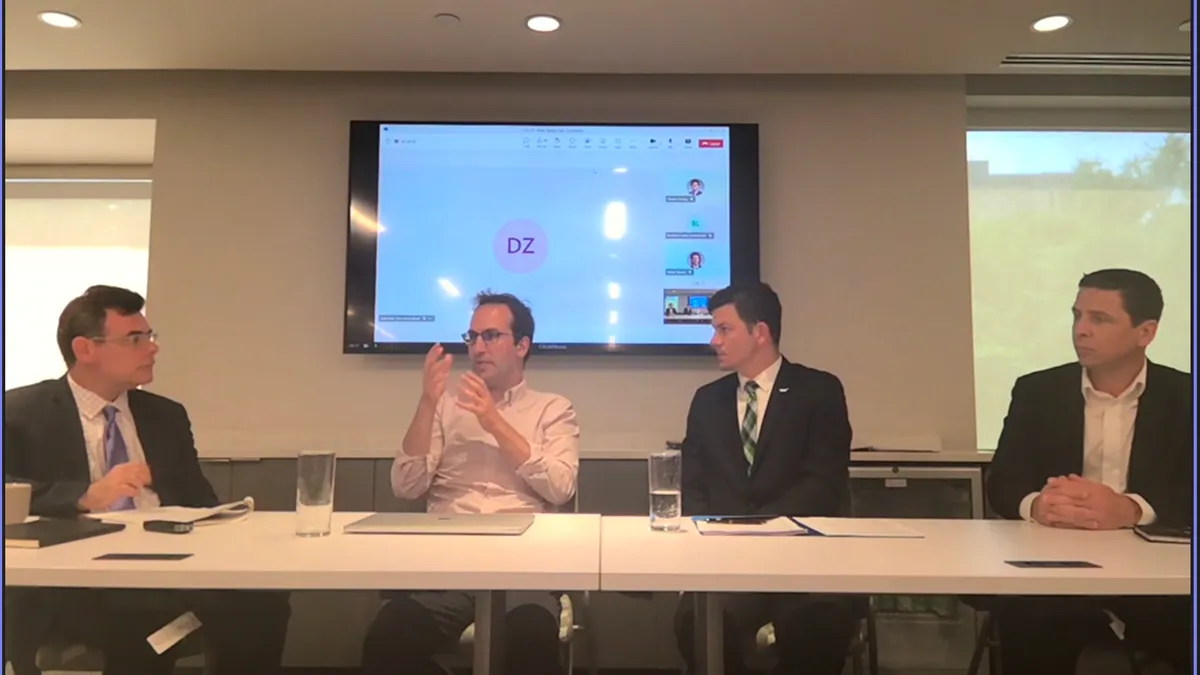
(146, 432)
(65, 422)
(778, 407)
(1151, 418)
(1073, 444)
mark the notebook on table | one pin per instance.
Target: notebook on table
(442, 523)
(785, 526)
(1165, 534)
(752, 526)
(52, 532)
(224, 513)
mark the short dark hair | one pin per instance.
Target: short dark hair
(522, 321)
(1140, 294)
(85, 316)
(755, 303)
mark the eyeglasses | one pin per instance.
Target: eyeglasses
(135, 340)
(489, 336)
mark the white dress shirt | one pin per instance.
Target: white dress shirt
(766, 384)
(1107, 440)
(91, 415)
(466, 472)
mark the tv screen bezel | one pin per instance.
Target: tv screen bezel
(361, 242)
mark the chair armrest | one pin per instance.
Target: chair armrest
(566, 619)
(566, 624)
(62, 656)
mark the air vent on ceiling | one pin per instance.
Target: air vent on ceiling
(1179, 64)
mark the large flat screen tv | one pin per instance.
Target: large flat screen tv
(615, 235)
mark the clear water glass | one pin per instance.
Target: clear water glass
(666, 490)
(314, 493)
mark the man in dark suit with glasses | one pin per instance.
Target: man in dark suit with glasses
(92, 441)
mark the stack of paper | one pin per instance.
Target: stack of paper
(748, 526)
(860, 527)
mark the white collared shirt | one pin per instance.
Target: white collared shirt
(1108, 423)
(465, 471)
(91, 415)
(766, 385)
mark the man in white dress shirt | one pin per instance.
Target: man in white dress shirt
(492, 446)
(1102, 443)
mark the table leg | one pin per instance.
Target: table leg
(710, 634)
(489, 633)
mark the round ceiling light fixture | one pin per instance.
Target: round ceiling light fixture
(1186, 26)
(59, 20)
(543, 23)
(1049, 24)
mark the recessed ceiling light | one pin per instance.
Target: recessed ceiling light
(1186, 26)
(60, 20)
(1050, 24)
(543, 23)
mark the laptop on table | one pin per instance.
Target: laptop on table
(510, 524)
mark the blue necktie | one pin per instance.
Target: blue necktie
(115, 451)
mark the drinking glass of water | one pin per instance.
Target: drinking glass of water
(665, 489)
(314, 493)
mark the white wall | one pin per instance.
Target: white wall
(864, 235)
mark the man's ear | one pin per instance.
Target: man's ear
(762, 334)
(83, 349)
(1147, 330)
(523, 346)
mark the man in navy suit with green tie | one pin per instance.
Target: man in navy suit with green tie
(770, 438)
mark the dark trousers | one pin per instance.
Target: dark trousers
(411, 628)
(243, 631)
(1045, 635)
(812, 632)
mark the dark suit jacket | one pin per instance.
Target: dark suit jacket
(802, 464)
(44, 445)
(1043, 437)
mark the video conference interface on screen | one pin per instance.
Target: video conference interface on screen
(613, 235)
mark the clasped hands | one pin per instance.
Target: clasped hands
(472, 395)
(1076, 502)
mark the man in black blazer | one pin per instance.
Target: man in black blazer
(771, 438)
(91, 441)
(1099, 444)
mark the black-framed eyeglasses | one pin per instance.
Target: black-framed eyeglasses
(133, 339)
(489, 336)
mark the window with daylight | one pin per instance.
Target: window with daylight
(54, 248)
(1047, 207)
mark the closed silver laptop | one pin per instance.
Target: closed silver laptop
(442, 523)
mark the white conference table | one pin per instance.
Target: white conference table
(559, 552)
(577, 552)
(954, 557)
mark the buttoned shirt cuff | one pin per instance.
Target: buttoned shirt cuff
(1148, 514)
(1026, 508)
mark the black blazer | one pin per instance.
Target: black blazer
(1043, 437)
(802, 464)
(44, 446)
